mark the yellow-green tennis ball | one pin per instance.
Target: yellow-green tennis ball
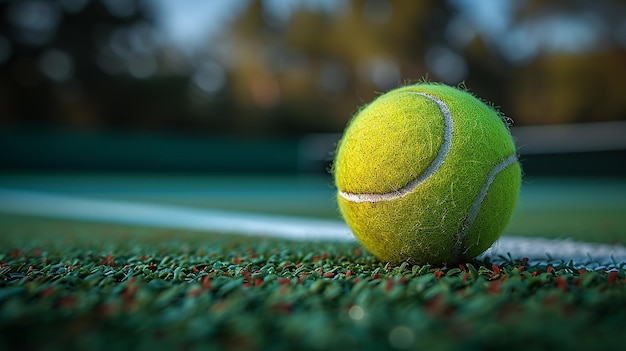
(427, 173)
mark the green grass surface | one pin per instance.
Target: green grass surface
(67, 285)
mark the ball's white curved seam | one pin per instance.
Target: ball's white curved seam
(434, 166)
(478, 201)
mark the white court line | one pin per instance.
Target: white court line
(537, 250)
(219, 221)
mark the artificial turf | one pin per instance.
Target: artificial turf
(68, 285)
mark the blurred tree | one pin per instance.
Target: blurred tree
(55, 66)
(318, 66)
(551, 61)
(90, 63)
(577, 68)
(312, 71)
(295, 67)
(570, 88)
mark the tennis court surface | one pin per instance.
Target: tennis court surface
(193, 262)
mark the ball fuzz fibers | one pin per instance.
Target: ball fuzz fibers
(427, 173)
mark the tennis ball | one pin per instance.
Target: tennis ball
(427, 173)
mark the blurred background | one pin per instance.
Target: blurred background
(267, 86)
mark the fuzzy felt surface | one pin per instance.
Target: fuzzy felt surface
(465, 191)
